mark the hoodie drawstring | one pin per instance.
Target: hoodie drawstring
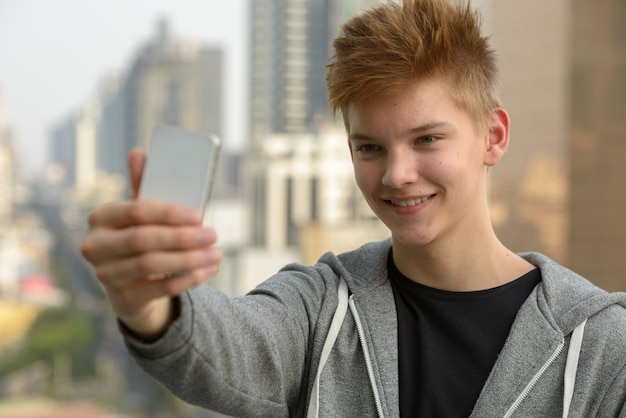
(573, 354)
(335, 326)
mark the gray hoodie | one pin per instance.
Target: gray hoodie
(257, 355)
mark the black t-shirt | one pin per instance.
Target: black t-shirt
(448, 341)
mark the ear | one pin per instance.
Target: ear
(498, 136)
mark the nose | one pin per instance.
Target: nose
(401, 170)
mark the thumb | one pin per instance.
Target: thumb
(136, 162)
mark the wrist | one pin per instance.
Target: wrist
(152, 328)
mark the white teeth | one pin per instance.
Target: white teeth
(410, 202)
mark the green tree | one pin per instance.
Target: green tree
(59, 332)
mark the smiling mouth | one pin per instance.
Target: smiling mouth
(410, 202)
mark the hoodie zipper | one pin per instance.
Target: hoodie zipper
(534, 380)
(366, 354)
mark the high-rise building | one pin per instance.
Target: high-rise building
(169, 81)
(310, 181)
(74, 146)
(290, 46)
(178, 83)
(279, 65)
(597, 147)
(172, 82)
(111, 149)
(310, 204)
(7, 170)
(560, 187)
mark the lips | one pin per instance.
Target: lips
(404, 203)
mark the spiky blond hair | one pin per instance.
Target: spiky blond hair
(387, 48)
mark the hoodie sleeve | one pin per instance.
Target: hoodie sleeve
(246, 356)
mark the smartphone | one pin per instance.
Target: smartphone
(180, 168)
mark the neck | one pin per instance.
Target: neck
(463, 265)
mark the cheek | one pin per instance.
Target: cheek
(453, 165)
(464, 170)
(366, 176)
(441, 169)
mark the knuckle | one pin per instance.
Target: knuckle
(136, 212)
(199, 276)
(126, 296)
(145, 264)
(92, 218)
(171, 287)
(175, 238)
(186, 237)
(190, 260)
(102, 274)
(87, 249)
(219, 256)
(135, 240)
(173, 214)
(214, 270)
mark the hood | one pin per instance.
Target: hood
(567, 299)
(365, 267)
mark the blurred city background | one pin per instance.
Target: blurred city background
(81, 86)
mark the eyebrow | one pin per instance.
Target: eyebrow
(414, 131)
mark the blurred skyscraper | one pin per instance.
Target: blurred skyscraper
(74, 145)
(173, 82)
(561, 187)
(24, 245)
(169, 81)
(597, 203)
(290, 46)
(111, 148)
(178, 83)
(7, 169)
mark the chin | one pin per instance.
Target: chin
(415, 239)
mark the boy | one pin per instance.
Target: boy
(439, 320)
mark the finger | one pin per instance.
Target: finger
(142, 292)
(136, 162)
(107, 244)
(176, 285)
(142, 212)
(120, 273)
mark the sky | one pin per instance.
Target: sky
(53, 54)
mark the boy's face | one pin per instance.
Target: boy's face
(420, 163)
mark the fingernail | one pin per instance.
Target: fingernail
(212, 255)
(192, 217)
(204, 236)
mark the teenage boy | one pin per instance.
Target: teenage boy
(439, 320)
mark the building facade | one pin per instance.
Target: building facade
(289, 48)
(559, 189)
(172, 82)
(597, 145)
(169, 81)
(310, 200)
(7, 170)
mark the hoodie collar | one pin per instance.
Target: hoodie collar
(565, 298)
